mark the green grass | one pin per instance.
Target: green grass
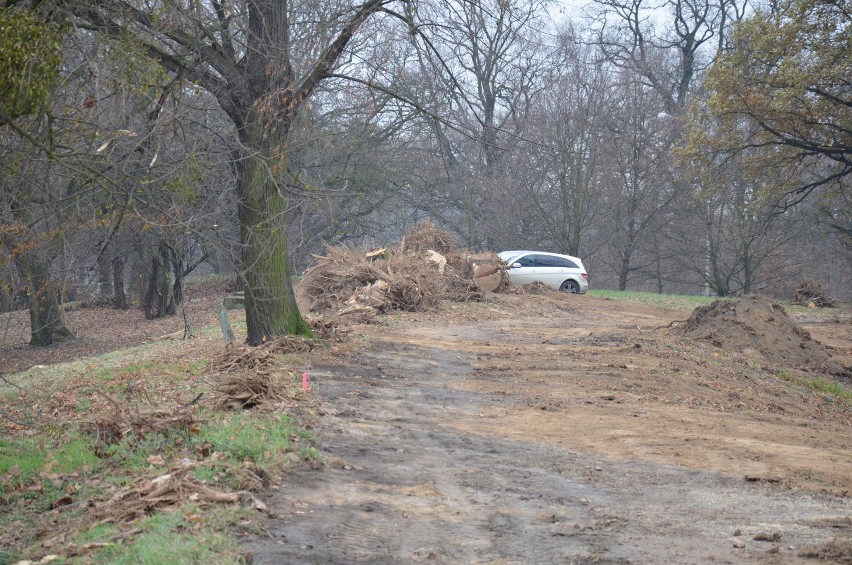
(36, 472)
(154, 368)
(822, 314)
(254, 438)
(819, 384)
(671, 301)
(24, 462)
(103, 366)
(169, 537)
(261, 439)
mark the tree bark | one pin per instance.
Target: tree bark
(6, 301)
(178, 269)
(624, 271)
(46, 325)
(105, 290)
(271, 308)
(119, 297)
(158, 300)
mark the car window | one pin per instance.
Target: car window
(543, 261)
(564, 263)
(534, 260)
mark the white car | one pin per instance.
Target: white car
(563, 272)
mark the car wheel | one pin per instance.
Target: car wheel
(570, 287)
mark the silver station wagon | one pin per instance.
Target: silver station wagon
(563, 272)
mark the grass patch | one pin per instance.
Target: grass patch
(60, 374)
(38, 473)
(670, 301)
(49, 476)
(176, 537)
(255, 438)
(36, 476)
(25, 462)
(821, 385)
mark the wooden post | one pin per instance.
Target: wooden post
(227, 332)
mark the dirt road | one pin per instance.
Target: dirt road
(566, 429)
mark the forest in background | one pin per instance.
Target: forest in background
(684, 146)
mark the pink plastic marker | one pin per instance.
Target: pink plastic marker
(305, 381)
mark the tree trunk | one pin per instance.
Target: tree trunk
(46, 324)
(119, 297)
(105, 291)
(178, 270)
(158, 301)
(6, 301)
(658, 263)
(624, 271)
(271, 308)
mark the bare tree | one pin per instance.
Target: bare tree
(667, 46)
(566, 161)
(262, 60)
(739, 245)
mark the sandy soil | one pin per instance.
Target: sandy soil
(550, 429)
(567, 429)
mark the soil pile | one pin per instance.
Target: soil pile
(415, 275)
(756, 323)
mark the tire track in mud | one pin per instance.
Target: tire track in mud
(405, 485)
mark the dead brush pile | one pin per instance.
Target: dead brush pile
(171, 489)
(810, 292)
(110, 429)
(427, 237)
(414, 276)
(251, 376)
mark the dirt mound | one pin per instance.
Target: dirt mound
(758, 324)
(810, 292)
(537, 287)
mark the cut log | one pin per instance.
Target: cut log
(480, 271)
(489, 283)
(438, 259)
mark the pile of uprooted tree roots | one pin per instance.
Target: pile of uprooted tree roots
(414, 275)
(812, 293)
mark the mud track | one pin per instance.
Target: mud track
(573, 432)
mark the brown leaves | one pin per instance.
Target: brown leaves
(109, 430)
